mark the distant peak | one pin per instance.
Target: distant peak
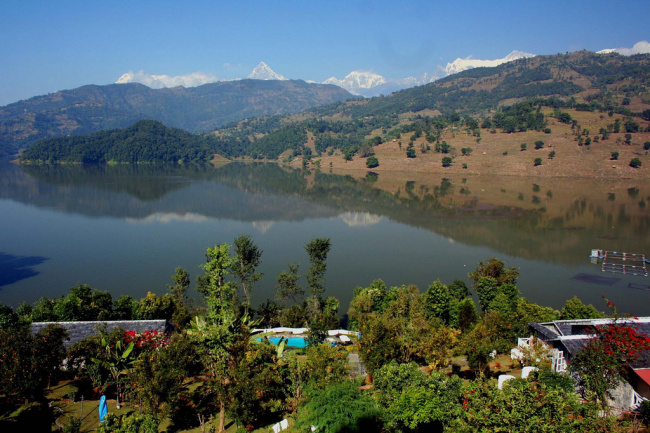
(264, 72)
(459, 64)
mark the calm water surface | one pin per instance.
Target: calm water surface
(125, 229)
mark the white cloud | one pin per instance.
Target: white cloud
(159, 81)
(641, 47)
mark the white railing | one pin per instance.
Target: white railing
(637, 400)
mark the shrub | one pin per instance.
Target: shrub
(635, 163)
(539, 144)
(645, 412)
(505, 153)
(538, 161)
(446, 161)
(466, 151)
(523, 146)
(410, 152)
(614, 156)
(464, 165)
(372, 162)
(551, 154)
(646, 145)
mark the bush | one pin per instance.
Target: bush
(538, 161)
(539, 144)
(523, 146)
(464, 165)
(646, 145)
(372, 162)
(614, 156)
(645, 412)
(410, 152)
(446, 161)
(635, 163)
(551, 154)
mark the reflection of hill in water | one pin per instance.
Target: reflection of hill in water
(531, 219)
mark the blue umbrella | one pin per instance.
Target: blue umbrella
(103, 409)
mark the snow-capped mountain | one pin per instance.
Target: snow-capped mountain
(370, 84)
(641, 47)
(364, 83)
(459, 64)
(357, 80)
(264, 72)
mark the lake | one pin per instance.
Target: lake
(126, 228)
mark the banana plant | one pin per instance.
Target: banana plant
(116, 361)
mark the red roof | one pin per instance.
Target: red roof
(644, 374)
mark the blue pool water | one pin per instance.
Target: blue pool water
(292, 341)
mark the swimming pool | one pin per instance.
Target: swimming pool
(291, 341)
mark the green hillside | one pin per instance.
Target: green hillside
(507, 98)
(88, 109)
(147, 141)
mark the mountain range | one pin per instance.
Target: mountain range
(92, 108)
(361, 83)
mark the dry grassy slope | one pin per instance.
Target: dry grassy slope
(488, 156)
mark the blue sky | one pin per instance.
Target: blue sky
(61, 44)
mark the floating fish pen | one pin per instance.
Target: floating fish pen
(624, 263)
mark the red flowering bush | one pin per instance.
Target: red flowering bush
(147, 340)
(603, 362)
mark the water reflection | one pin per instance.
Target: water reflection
(512, 216)
(143, 221)
(14, 268)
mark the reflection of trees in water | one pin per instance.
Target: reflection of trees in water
(15, 268)
(503, 214)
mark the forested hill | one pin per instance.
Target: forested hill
(582, 81)
(88, 109)
(147, 141)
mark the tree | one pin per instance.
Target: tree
(219, 293)
(437, 302)
(458, 290)
(487, 288)
(245, 263)
(539, 144)
(410, 152)
(181, 279)
(635, 163)
(8, 318)
(415, 401)
(538, 161)
(372, 162)
(288, 287)
(628, 139)
(466, 151)
(158, 375)
(340, 407)
(446, 161)
(551, 154)
(496, 269)
(523, 146)
(523, 406)
(574, 309)
(317, 249)
(466, 314)
(614, 156)
(28, 362)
